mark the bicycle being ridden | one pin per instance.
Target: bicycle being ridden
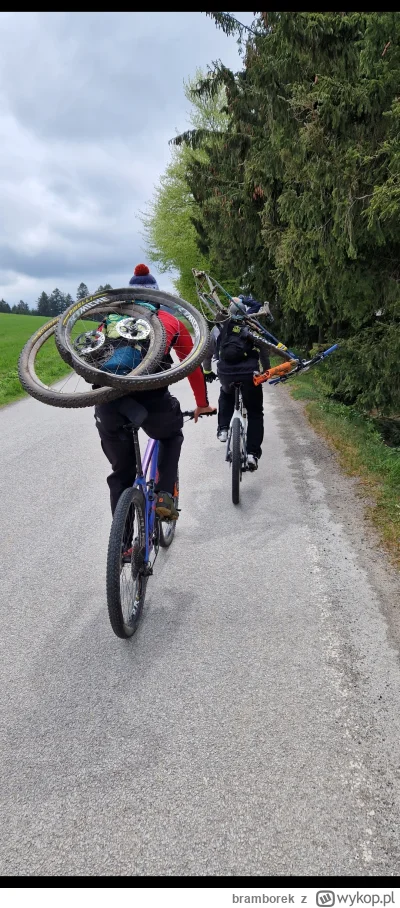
(242, 345)
(137, 533)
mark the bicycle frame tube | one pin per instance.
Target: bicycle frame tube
(146, 474)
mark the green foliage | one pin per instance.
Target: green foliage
(299, 188)
(173, 220)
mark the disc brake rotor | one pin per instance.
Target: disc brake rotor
(89, 343)
(133, 329)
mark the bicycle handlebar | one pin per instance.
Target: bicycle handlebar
(190, 414)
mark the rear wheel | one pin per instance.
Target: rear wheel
(236, 461)
(126, 579)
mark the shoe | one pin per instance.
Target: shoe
(252, 462)
(222, 435)
(165, 507)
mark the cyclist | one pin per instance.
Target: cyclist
(158, 412)
(238, 358)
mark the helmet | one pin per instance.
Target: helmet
(234, 310)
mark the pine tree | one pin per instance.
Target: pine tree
(43, 304)
(82, 292)
(22, 308)
(57, 302)
(4, 307)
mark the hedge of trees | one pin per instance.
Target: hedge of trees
(295, 190)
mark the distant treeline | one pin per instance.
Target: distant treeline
(50, 304)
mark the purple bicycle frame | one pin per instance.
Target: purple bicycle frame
(141, 481)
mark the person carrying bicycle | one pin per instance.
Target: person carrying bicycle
(158, 412)
(238, 358)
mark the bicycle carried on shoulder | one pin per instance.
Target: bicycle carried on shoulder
(136, 536)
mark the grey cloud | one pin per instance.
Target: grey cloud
(88, 74)
(88, 102)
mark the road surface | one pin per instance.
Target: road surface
(251, 726)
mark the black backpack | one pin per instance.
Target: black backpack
(235, 346)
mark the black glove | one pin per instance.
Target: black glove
(209, 376)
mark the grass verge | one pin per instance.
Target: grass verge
(361, 453)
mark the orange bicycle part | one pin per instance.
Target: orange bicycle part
(282, 369)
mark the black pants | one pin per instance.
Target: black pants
(160, 416)
(253, 402)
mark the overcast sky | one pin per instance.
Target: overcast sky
(88, 102)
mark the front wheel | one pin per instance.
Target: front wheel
(126, 578)
(236, 461)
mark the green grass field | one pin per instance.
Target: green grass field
(14, 332)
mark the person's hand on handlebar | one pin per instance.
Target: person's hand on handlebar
(209, 376)
(200, 410)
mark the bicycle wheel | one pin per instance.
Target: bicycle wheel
(167, 528)
(126, 581)
(88, 351)
(72, 390)
(146, 378)
(236, 461)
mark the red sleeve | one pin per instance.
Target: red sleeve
(183, 345)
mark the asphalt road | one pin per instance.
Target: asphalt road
(251, 727)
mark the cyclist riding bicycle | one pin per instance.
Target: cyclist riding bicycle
(238, 358)
(158, 412)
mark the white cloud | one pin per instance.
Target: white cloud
(88, 102)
